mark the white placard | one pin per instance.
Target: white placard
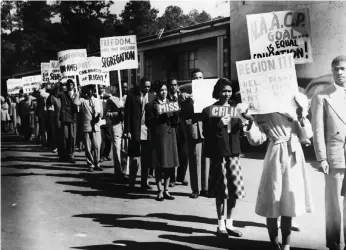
(119, 52)
(280, 32)
(70, 60)
(54, 72)
(14, 85)
(45, 68)
(268, 84)
(91, 73)
(202, 93)
(31, 82)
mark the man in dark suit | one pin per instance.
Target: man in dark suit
(137, 132)
(176, 96)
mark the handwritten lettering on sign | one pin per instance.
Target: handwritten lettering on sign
(54, 72)
(70, 61)
(268, 84)
(119, 52)
(167, 107)
(221, 111)
(280, 32)
(45, 71)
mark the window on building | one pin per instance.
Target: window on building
(148, 69)
(226, 56)
(186, 63)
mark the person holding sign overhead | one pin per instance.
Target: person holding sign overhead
(329, 127)
(284, 189)
(137, 132)
(222, 146)
(162, 122)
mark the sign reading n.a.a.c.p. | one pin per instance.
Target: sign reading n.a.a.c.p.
(45, 68)
(280, 32)
(268, 84)
(118, 52)
(70, 60)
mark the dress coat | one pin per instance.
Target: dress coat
(329, 127)
(284, 188)
(162, 136)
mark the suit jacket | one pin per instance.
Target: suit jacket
(218, 142)
(193, 121)
(133, 113)
(329, 126)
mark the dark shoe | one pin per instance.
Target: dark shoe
(172, 184)
(98, 168)
(160, 196)
(194, 195)
(234, 233)
(72, 161)
(222, 233)
(91, 169)
(167, 196)
(204, 193)
(107, 158)
(146, 187)
(275, 246)
(101, 160)
(185, 183)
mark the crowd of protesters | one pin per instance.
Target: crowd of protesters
(166, 144)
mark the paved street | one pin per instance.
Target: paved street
(51, 205)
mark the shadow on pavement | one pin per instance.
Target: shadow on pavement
(198, 219)
(30, 159)
(122, 221)
(28, 166)
(134, 245)
(230, 243)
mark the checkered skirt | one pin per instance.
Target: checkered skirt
(226, 178)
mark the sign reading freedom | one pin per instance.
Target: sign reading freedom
(70, 60)
(280, 32)
(119, 52)
(268, 84)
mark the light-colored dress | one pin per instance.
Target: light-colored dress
(284, 188)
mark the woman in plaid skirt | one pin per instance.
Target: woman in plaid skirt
(222, 146)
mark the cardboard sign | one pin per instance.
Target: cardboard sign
(202, 93)
(107, 80)
(14, 85)
(91, 73)
(54, 72)
(268, 84)
(280, 32)
(70, 60)
(167, 107)
(119, 52)
(31, 82)
(45, 71)
(221, 111)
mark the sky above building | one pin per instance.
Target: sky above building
(213, 7)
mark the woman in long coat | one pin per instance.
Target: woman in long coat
(162, 136)
(284, 189)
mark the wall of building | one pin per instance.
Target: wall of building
(328, 32)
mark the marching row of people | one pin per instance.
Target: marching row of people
(172, 142)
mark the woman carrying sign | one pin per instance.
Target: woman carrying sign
(163, 141)
(222, 146)
(284, 189)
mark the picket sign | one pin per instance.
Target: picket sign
(167, 107)
(221, 111)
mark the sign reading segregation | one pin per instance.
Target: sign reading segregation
(118, 52)
(268, 84)
(280, 32)
(45, 68)
(54, 72)
(70, 61)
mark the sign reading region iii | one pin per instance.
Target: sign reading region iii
(118, 52)
(280, 32)
(90, 72)
(14, 85)
(45, 68)
(268, 84)
(54, 72)
(30, 83)
(70, 60)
